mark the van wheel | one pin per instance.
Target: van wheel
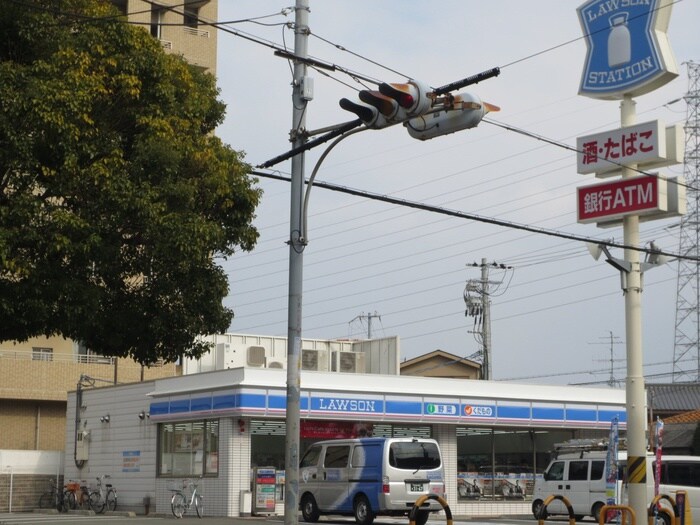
(596, 511)
(309, 509)
(363, 511)
(538, 510)
(422, 517)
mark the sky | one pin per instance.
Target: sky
(557, 315)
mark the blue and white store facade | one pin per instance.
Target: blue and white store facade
(228, 426)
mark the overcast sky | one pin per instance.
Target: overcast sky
(555, 313)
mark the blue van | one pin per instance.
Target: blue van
(368, 477)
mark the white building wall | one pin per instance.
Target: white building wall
(113, 445)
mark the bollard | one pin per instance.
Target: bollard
(672, 513)
(416, 507)
(564, 500)
(604, 512)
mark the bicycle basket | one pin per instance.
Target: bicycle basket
(73, 485)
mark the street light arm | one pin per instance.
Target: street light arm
(304, 229)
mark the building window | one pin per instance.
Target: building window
(191, 16)
(503, 464)
(188, 449)
(156, 21)
(42, 354)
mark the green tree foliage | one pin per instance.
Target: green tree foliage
(116, 199)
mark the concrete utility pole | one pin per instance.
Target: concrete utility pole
(636, 399)
(296, 257)
(486, 329)
(477, 299)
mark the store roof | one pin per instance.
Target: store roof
(674, 397)
(385, 384)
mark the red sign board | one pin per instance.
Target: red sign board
(610, 200)
(334, 429)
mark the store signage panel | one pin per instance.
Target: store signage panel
(315, 429)
(582, 415)
(342, 403)
(548, 412)
(513, 411)
(676, 204)
(201, 404)
(402, 407)
(627, 47)
(605, 152)
(478, 411)
(611, 148)
(612, 200)
(433, 409)
(363, 407)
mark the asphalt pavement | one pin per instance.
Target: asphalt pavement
(37, 518)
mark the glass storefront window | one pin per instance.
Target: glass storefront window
(502, 464)
(188, 449)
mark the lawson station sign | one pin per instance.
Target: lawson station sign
(628, 50)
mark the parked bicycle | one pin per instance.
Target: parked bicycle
(104, 497)
(53, 498)
(76, 495)
(180, 503)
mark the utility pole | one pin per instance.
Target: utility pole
(369, 318)
(297, 244)
(477, 299)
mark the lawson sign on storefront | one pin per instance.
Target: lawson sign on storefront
(271, 403)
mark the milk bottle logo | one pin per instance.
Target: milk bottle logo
(619, 41)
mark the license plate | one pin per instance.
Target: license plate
(416, 487)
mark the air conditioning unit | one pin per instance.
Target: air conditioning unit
(274, 364)
(348, 362)
(255, 356)
(314, 360)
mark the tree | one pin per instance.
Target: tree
(116, 199)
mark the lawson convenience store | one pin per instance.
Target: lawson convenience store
(228, 426)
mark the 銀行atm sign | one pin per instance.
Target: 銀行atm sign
(613, 200)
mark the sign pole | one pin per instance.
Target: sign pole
(632, 289)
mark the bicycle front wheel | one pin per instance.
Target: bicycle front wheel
(46, 500)
(70, 502)
(111, 500)
(177, 504)
(96, 502)
(199, 505)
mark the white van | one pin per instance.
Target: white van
(367, 477)
(580, 478)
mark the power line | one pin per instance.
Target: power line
(478, 218)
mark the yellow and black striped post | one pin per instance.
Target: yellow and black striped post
(636, 469)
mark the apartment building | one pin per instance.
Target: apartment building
(181, 27)
(36, 375)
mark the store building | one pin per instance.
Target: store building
(495, 437)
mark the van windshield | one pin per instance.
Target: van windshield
(414, 455)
